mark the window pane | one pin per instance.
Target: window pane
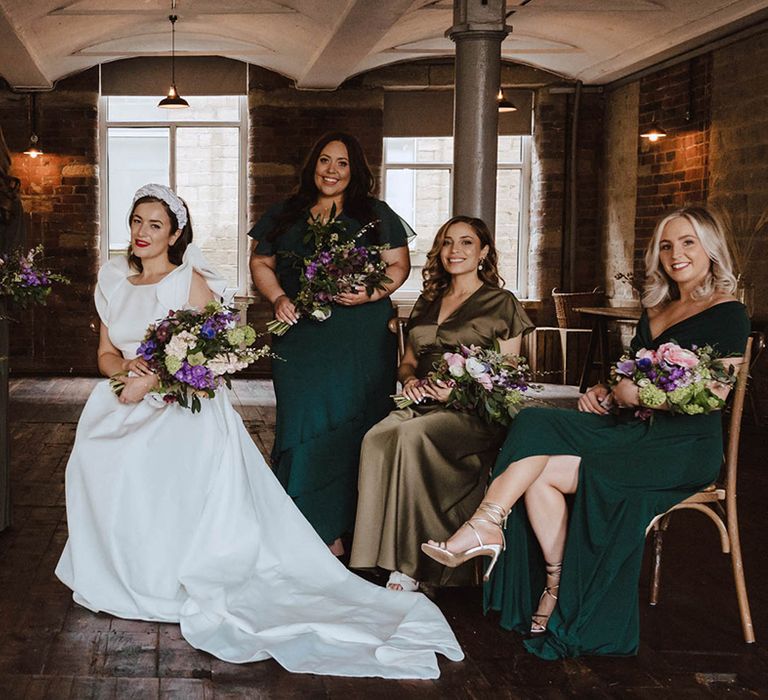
(510, 149)
(145, 109)
(434, 150)
(207, 163)
(399, 150)
(422, 198)
(508, 193)
(135, 157)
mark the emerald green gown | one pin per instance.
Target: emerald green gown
(334, 381)
(630, 471)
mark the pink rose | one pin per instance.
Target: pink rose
(484, 380)
(675, 355)
(645, 354)
(455, 364)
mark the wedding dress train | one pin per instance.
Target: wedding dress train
(176, 517)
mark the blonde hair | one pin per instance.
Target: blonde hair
(659, 288)
(437, 278)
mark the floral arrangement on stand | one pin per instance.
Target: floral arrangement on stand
(483, 381)
(193, 353)
(675, 377)
(338, 265)
(23, 280)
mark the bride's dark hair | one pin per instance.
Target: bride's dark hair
(179, 246)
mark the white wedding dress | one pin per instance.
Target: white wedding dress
(176, 517)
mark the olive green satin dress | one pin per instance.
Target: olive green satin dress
(630, 471)
(423, 470)
(333, 384)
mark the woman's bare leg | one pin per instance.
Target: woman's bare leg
(503, 491)
(548, 515)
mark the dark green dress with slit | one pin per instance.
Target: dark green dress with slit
(630, 471)
(334, 383)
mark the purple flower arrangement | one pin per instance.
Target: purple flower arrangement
(194, 352)
(337, 266)
(676, 378)
(483, 381)
(23, 280)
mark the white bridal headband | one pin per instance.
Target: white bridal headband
(168, 196)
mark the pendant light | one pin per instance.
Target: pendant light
(504, 104)
(654, 133)
(173, 100)
(33, 150)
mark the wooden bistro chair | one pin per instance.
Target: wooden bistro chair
(718, 501)
(570, 321)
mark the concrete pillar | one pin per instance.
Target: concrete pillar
(478, 29)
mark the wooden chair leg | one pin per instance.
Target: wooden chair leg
(741, 585)
(658, 542)
(564, 355)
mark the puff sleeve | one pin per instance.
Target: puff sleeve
(111, 276)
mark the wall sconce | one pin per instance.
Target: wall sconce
(654, 132)
(33, 150)
(173, 100)
(504, 104)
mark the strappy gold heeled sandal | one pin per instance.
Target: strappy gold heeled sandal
(539, 620)
(487, 512)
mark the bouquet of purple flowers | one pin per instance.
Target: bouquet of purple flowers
(23, 280)
(337, 266)
(194, 352)
(673, 375)
(485, 382)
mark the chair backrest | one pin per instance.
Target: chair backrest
(755, 344)
(566, 302)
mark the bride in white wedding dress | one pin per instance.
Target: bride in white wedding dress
(176, 517)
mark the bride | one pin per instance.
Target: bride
(175, 517)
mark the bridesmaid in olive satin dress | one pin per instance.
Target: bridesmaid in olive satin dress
(424, 468)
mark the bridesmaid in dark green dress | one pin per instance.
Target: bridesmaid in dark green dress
(337, 375)
(621, 470)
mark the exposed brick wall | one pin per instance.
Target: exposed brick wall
(588, 272)
(673, 171)
(547, 197)
(60, 197)
(547, 259)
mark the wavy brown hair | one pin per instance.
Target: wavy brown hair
(437, 279)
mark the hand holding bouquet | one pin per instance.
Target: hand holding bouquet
(485, 382)
(337, 266)
(23, 280)
(194, 352)
(674, 376)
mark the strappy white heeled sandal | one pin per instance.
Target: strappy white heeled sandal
(494, 515)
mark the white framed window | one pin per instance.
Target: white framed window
(200, 152)
(417, 181)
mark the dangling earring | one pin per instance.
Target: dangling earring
(480, 265)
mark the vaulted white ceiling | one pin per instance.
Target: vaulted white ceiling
(320, 43)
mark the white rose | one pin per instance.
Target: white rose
(179, 344)
(321, 314)
(456, 371)
(475, 368)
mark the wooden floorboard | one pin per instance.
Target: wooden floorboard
(691, 645)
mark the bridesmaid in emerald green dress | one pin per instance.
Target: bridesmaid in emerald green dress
(336, 378)
(622, 471)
